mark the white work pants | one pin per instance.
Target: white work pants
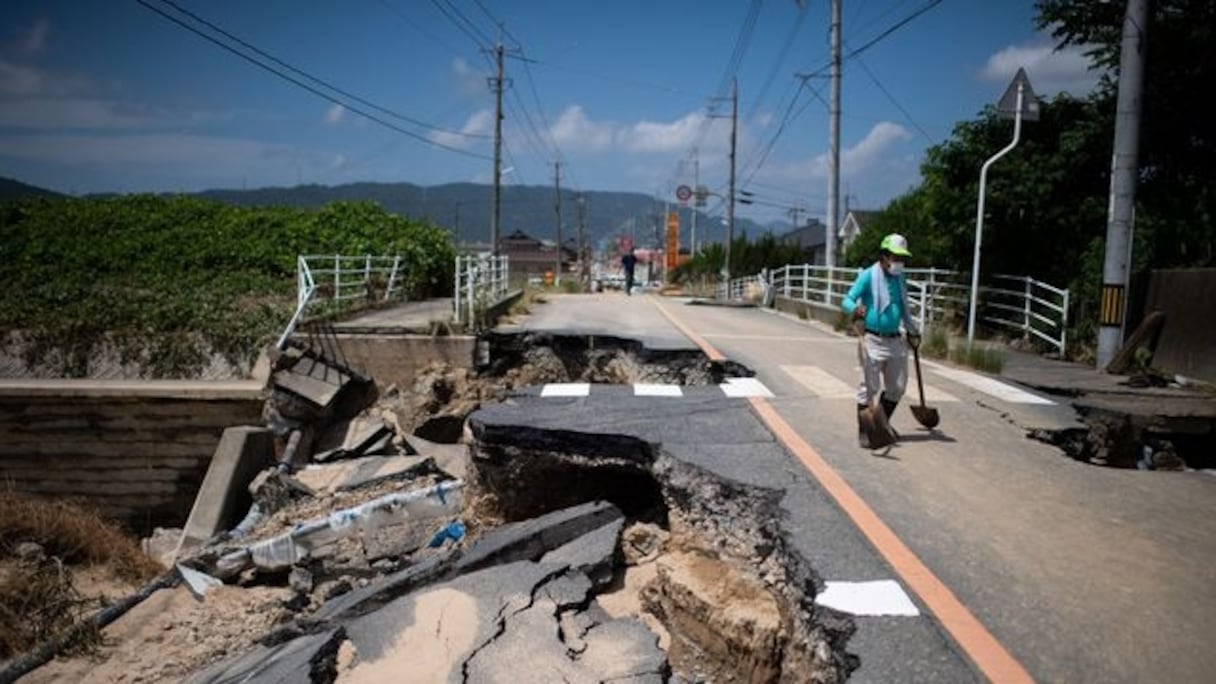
(885, 372)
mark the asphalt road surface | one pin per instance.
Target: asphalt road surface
(1020, 562)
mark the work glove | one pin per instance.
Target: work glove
(859, 312)
(914, 339)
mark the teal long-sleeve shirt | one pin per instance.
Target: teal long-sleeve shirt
(887, 320)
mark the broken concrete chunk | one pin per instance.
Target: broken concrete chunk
(354, 473)
(453, 459)
(199, 583)
(592, 553)
(360, 436)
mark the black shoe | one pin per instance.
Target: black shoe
(888, 407)
(863, 439)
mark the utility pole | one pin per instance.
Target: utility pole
(557, 208)
(834, 146)
(496, 201)
(1124, 167)
(730, 203)
(583, 274)
(696, 195)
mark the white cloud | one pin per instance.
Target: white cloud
(873, 151)
(574, 130)
(471, 81)
(1050, 71)
(678, 135)
(480, 123)
(335, 114)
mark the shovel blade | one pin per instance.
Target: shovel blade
(878, 430)
(926, 416)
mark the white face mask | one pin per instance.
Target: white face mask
(896, 268)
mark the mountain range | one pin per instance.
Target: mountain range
(464, 209)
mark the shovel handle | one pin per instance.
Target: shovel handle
(920, 384)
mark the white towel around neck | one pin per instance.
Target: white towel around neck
(880, 295)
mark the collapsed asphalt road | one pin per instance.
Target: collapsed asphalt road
(591, 523)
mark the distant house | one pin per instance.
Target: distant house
(811, 238)
(528, 256)
(854, 223)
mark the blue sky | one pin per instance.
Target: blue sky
(110, 96)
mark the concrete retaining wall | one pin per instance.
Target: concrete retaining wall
(139, 456)
(802, 309)
(396, 359)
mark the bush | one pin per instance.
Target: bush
(979, 357)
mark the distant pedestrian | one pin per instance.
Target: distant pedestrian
(628, 262)
(879, 297)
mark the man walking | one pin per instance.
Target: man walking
(628, 262)
(879, 297)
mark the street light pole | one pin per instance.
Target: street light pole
(1020, 83)
(730, 202)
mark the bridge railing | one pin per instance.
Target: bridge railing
(337, 282)
(481, 282)
(1021, 303)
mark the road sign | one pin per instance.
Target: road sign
(1007, 107)
(683, 193)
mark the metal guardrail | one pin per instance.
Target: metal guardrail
(481, 282)
(340, 281)
(1020, 303)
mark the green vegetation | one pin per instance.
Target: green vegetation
(979, 357)
(166, 281)
(746, 258)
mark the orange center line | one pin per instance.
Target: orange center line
(992, 658)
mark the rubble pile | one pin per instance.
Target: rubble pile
(398, 533)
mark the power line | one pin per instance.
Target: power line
(462, 22)
(304, 74)
(310, 88)
(895, 102)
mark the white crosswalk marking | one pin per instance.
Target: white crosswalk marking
(732, 387)
(744, 387)
(827, 386)
(881, 597)
(992, 387)
(651, 390)
(820, 382)
(566, 389)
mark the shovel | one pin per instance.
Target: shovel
(873, 418)
(924, 415)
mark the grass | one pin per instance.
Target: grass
(38, 599)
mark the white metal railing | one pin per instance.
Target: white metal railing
(481, 282)
(343, 281)
(1020, 303)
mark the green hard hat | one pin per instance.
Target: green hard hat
(896, 244)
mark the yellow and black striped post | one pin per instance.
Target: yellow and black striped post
(1114, 305)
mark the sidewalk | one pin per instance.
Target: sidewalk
(1088, 387)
